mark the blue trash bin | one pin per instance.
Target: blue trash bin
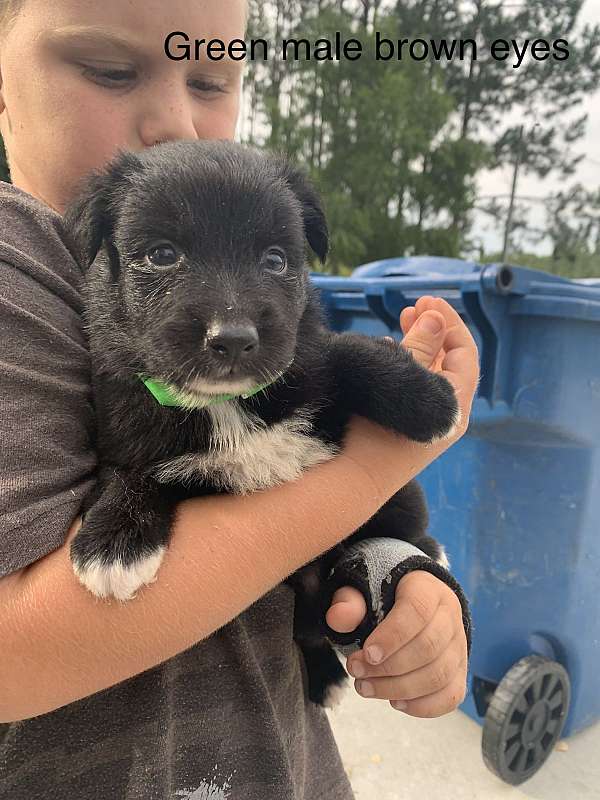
(516, 501)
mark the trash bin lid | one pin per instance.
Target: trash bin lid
(415, 265)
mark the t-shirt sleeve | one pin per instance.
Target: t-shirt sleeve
(47, 457)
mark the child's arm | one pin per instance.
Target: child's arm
(60, 643)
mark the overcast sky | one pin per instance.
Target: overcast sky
(588, 174)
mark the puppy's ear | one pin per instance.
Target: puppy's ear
(89, 219)
(315, 224)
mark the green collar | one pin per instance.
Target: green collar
(167, 396)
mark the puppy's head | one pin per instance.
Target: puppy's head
(197, 264)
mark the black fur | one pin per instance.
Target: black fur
(222, 206)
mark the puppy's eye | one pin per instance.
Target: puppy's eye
(274, 260)
(162, 255)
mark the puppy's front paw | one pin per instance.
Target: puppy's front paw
(451, 432)
(106, 572)
(440, 416)
(443, 559)
(432, 548)
(115, 579)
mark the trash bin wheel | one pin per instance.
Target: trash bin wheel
(525, 717)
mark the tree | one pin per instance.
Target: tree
(488, 91)
(370, 133)
(574, 225)
(396, 146)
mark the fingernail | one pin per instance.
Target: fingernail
(366, 689)
(400, 705)
(374, 654)
(430, 324)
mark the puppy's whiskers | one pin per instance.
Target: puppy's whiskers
(189, 375)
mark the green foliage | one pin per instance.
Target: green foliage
(574, 224)
(396, 146)
(580, 265)
(371, 133)
(573, 227)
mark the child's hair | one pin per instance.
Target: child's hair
(10, 8)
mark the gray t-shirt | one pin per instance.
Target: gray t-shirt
(229, 718)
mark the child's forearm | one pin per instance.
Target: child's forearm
(60, 643)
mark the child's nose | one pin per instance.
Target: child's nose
(167, 118)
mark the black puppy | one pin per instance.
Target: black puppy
(213, 368)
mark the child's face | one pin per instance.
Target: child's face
(69, 101)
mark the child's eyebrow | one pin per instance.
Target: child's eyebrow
(88, 34)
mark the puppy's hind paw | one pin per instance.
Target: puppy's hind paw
(333, 695)
(114, 579)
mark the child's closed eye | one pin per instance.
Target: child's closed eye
(118, 78)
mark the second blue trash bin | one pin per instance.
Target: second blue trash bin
(517, 500)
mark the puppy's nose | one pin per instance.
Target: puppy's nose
(233, 342)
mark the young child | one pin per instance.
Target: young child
(195, 688)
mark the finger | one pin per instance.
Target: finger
(428, 303)
(461, 363)
(425, 648)
(458, 357)
(408, 316)
(347, 610)
(454, 324)
(431, 678)
(458, 335)
(412, 611)
(426, 337)
(438, 703)
(439, 360)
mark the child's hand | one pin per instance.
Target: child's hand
(422, 641)
(451, 351)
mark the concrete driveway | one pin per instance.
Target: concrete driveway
(391, 756)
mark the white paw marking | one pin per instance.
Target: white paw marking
(443, 559)
(116, 580)
(451, 432)
(334, 695)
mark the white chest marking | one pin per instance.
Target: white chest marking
(246, 455)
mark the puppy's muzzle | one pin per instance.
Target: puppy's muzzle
(232, 344)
